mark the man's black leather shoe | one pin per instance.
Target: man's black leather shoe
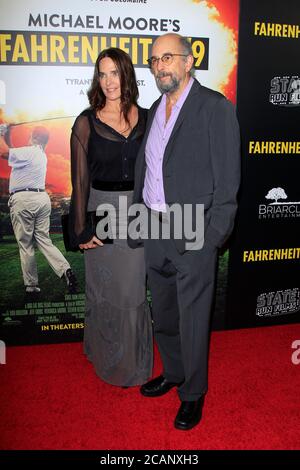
(189, 414)
(157, 387)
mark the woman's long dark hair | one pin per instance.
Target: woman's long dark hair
(129, 89)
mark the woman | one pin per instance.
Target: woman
(104, 144)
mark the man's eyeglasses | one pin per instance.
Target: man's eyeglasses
(167, 59)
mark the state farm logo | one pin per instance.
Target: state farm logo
(285, 91)
(277, 303)
(278, 208)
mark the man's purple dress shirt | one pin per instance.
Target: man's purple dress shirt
(160, 132)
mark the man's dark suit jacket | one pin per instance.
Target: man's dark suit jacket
(201, 162)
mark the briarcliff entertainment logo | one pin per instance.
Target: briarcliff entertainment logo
(280, 302)
(278, 209)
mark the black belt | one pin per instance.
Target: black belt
(35, 190)
(113, 185)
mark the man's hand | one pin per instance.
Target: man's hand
(93, 243)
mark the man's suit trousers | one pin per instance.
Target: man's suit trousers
(182, 288)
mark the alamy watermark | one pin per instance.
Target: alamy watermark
(2, 352)
(296, 354)
(177, 222)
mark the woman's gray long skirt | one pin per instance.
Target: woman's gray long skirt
(118, 327)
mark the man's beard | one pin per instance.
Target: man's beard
(170, 87)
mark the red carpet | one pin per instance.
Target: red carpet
(51, 399)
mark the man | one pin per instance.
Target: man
(190, 155)
(30, 209)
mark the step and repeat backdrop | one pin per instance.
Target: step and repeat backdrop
(264, 270)
(247, 51)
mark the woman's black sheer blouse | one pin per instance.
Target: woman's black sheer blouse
(98, 153)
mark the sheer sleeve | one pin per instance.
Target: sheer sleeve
(80, 232)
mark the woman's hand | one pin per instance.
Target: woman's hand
(93, 243)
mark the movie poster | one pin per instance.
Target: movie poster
(47, 52)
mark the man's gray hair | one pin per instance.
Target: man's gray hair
(187, 49)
